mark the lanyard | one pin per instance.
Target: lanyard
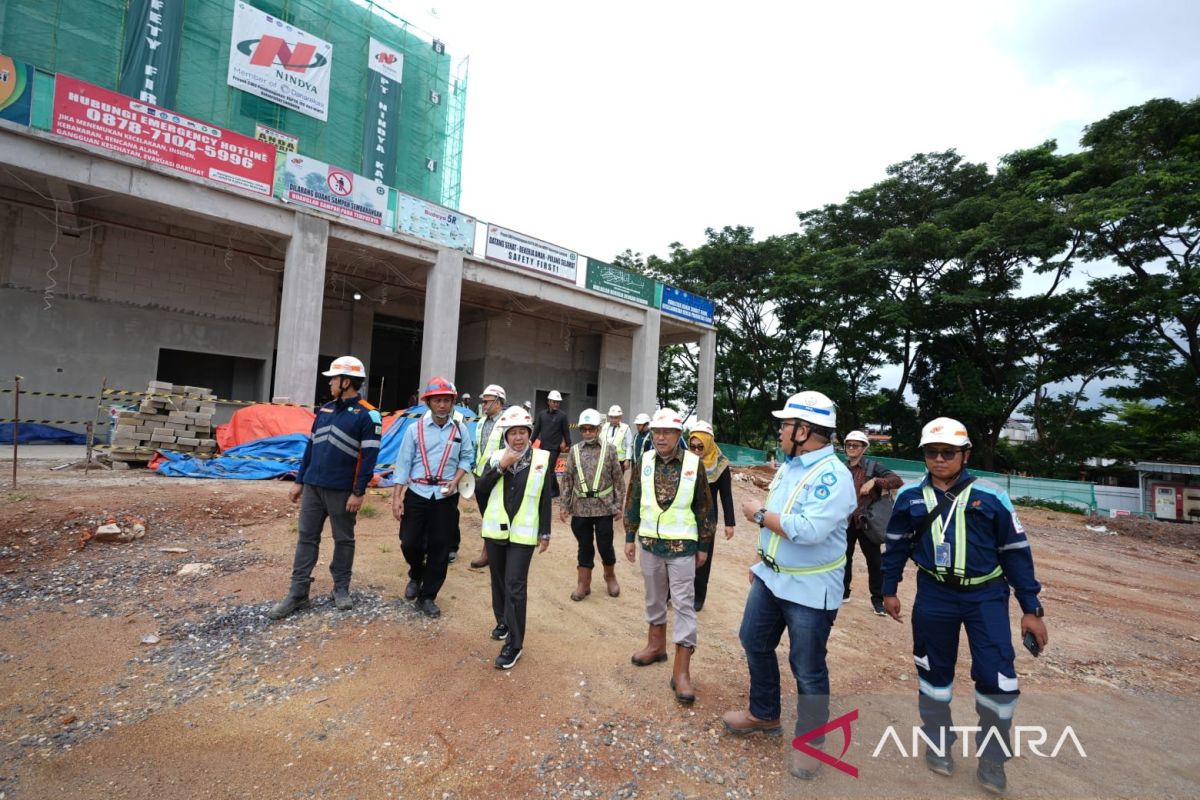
(429, 479)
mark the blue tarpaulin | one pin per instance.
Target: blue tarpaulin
(33, 433)
(266, 458)
(389, 448)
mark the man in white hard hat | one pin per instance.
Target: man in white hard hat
(797, 581)
(489, 439)
(970, 550)
(871, 481)
(667, 511)
(552, 432)
(619, 435)
(593, 494)
(641, 440)
(339, 460)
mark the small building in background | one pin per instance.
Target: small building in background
(1170, 491)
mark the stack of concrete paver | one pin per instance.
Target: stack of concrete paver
(170, 417)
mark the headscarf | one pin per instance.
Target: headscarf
(714, 460)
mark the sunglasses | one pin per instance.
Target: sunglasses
(944, 453)
(699, 447)
(855, 445)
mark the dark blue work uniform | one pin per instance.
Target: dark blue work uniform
(967, 561)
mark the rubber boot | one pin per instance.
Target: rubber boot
(681, 679)
(656, 647)
(583, 587)
(482, 561)
(610, 578)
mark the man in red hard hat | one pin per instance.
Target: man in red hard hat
(435, 453)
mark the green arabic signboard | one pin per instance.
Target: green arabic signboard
(620, 283)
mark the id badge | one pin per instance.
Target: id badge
(941, 555)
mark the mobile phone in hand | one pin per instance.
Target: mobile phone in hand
(1031, 644)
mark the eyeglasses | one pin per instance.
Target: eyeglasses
(698, 447)
(855, 445)
(944, 453)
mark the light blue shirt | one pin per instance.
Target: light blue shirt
(815, 528)
(409, 464)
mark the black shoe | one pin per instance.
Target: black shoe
(429, 608)
(942, 765)
(508, 657)
(288, 606)
(412, 590)
(500, 632)
(453, 556)
(341, 599)
(991, 776)
(878, 606)
(699, 606)
(846, 596)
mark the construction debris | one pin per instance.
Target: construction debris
(123, 528)
(170, 417)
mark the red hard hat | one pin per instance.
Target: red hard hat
(437, 386)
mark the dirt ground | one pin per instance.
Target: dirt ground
(120, 678)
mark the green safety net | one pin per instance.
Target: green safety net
(84, 39)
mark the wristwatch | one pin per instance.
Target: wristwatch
(760, 516)
(1038, 612)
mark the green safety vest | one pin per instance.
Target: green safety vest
(582, 489)
(489, 447)
(676, 521)
(619, 438)
(937, 531)
(523, 528)
(768, 549)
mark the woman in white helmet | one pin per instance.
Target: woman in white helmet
(514, 493)
(593, 493)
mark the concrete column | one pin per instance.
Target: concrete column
(706, 370)
(443, 297)
(643, 373)
(614, 376)
(299, 343)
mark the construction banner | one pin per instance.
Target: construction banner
(436, 223)
(277, 61)
(150, 61)
(381, 133)
(16, 91)
(334, 190)
(617, 282)
(520, 250)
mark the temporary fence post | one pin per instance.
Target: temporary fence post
(91, 439)
(16, 424)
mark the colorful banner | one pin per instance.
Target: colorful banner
(620, 283)
(436, 223)
(115, 122)
(334, 190)
(279, 62)
(150, 62)
(520, 250)
(284, 143)
(381, 133)
(686, 305)
(16, 91)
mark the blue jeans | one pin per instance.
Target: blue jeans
(808, 629)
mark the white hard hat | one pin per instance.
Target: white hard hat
(811, 407)
(856, 436)
(701, 426)
(514, 417)
(590, 416)
(615, 411)
(641, 419)
(554, 395)
(346, 365)
(945, 430)
(466, 395)
(527, 405)
(495, 391)
(667, 418)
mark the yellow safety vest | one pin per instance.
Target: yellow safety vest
(676, 521)
(489, 447)
(581, 490)
(768, 550)
(619, 438)
(522, 529)
(938, 533)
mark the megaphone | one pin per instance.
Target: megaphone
(466, 485)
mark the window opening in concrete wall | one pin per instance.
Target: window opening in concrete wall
(395, 364)
(230, 377)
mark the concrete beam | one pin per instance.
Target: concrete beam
(643, 378)
(443, 299)
(300, 309)
(66, 201)
(567, 295)
(706, 370)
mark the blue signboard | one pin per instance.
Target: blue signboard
(686, 305)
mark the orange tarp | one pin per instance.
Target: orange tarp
(262, 421)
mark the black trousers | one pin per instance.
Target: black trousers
(509, 565)
(316, 505)
(702, 574)
(426, 536)
(870, 552)
(599, 528)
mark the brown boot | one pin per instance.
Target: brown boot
(681, 681)
(743, 723)
(482, 561)
(656, 647)
(584, 585)
(610, 578)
